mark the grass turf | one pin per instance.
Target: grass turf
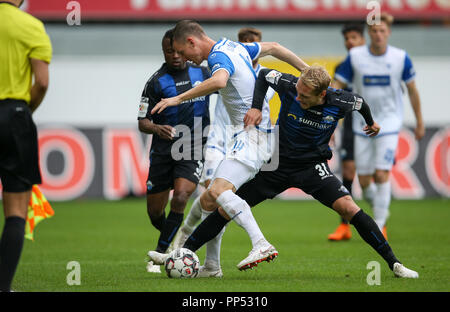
(110, 240)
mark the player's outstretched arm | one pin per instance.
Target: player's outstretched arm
(372, 128)
(216, 82)
(40, 85)
(283, 54)
(414, 98)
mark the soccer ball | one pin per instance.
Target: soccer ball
(182, 263)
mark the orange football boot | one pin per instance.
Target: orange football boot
(343, 232)
(384, 231)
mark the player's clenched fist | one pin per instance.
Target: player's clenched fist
(253, 117)
(372, 130)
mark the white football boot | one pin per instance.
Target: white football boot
(181, 237)
(210, 269)
(152, 268)
(401, 271)
(263, 251)
(157, 257)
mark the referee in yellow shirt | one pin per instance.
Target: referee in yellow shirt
(25, 51)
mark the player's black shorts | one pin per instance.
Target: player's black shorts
(316, 180)
(19, 156)
(348, 138)
(164, 170)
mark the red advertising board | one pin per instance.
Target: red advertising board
(244, 10)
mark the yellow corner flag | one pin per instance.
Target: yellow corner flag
(38, 209)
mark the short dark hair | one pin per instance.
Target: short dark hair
(248, 33)
(168, 35)
(186, 28)
(358, 27)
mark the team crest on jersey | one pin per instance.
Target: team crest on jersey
(273, 76)
(328, 118)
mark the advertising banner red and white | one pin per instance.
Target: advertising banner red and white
(242, 10)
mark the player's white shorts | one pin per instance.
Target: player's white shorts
(373, 153)
(246, 152)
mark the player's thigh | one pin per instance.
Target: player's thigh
(319, 182)
(265, 185)
(386, 147)
(235, 172)
(364, 155)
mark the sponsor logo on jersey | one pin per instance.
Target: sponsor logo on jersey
(377, 80)
(182, 83)
(328, 118)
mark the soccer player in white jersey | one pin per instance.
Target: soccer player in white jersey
(215, 152)
(248, 149)
(376, 73)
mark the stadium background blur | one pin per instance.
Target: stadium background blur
(90, 146)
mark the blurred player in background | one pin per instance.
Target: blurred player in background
(353, 37)
(25, 53)
(165, 173)
(309, 114)
(215, 152)
(248, 149)
(376, 72)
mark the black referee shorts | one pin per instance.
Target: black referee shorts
(164, 170)
(348, 138)
(19, 156)
(316, 180)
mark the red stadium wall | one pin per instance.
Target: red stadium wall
(113, 162)
(263, 10)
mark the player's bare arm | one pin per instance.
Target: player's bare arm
(165, 132)
(276, 50)
(337, 84)
(414, 98)
(217, 81)
(41, 80)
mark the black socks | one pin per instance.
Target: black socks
(158, 222)
(169, 229)
(371, 234)
(10, 249)
(206, 230)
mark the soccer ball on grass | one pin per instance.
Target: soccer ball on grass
(182, 263)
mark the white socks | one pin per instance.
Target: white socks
(381, 202)
(194, 215)
(239, 211)
(212, 258)
(369, 193)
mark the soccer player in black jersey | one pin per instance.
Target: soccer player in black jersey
(353, 37)
(308, 117)
(172, 166)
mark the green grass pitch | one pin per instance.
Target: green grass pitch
(110, 240)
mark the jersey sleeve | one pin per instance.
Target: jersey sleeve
(253, 48)
(219, 60)
(39, 44)
(151, 95)
(344, 72)
(270, 78)
(408, 73)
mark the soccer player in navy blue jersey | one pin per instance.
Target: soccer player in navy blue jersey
(165, 173)
(308, 116)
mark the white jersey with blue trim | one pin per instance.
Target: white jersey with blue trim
(236, 58)
(378, 79)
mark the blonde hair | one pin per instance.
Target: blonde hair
(388, 19)
(249, 34)
(317, 78)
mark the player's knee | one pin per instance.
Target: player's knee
(381, 176)
(180, 199)
(346, 207)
